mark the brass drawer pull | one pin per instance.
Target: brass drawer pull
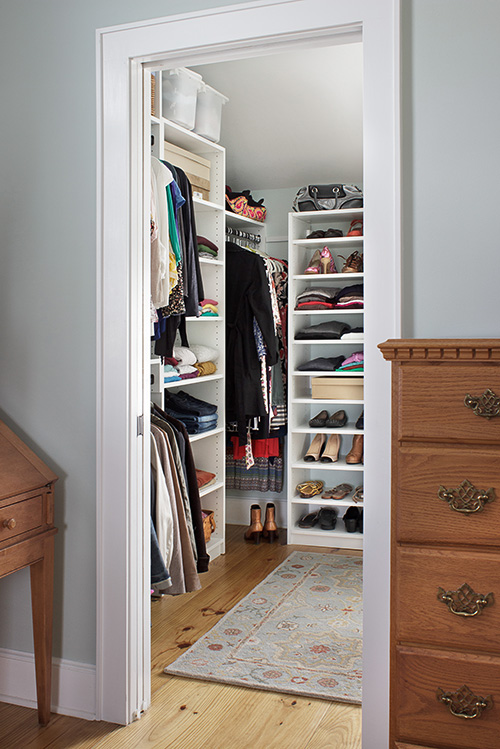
(466, 498)
(487, 404)
(464, 601)
(10, 524)
(463, 703)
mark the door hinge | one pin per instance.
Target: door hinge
(140, 425)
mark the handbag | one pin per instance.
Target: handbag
(327, 198)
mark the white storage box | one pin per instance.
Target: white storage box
(179, 92)
(209, 112)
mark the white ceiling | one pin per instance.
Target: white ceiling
(292, 118)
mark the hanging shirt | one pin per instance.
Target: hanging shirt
(161, 262)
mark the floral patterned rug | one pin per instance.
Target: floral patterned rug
(299, 631)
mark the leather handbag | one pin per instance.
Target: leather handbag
(327, 198)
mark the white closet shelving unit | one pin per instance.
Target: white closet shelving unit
(208, 447)
(301, 406)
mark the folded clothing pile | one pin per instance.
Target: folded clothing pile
(209, 308)
(322, 364)
(197, 415)
(353, 363)
(325, 297)
(355, 334)
(204, 478)
(188, 363)
(206, 248)
(331, 330)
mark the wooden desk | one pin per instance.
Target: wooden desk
(27, 539)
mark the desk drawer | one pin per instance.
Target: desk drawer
(422, 719)
(434, 409)
(21, 517)
(423, 517)
(421, 617)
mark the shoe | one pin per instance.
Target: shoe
(318, 234)
(330, 233)
(355, 455)
(338, 492)
(270, 528)
(360, 423)
(327, 261)
(331, 450)
(353, 264)
(358, 495)
(319, 420)
(327, 518)
(255, 528)
(309, 489)
(315, 448)
(351, 519)
(338, 419)
(356, 228)
(360, 521)
(309, 520)
(315, 264)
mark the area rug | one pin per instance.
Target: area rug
(299, 631)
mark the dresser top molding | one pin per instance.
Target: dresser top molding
(441, 349)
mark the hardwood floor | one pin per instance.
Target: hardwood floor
(191, 714)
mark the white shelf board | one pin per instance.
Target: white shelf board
(333, 311)
(206, 205)
(192, 381)
(319, 217)
(316, 500)
(187, 139)
(206, 318)
(351, 540)
(235, 220)
(325, 373)
(328, 276)
(331, 401)
(211, 488)
(155, 120)
(326, 341)
(349, 428)
(340, 465)
(203, 435)
(342, 241)
(206, 261)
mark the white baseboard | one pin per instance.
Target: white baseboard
(73, 684)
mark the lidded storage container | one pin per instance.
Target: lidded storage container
(337, 388)
(179, 91)
(209, 112)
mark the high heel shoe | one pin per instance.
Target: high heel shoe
(355, 454)
(315, 264)
(331, 451)
(270, 528)
(255, 528)
(315, 448)
(327, 261)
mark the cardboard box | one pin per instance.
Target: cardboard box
(337, 388)
(196, 167)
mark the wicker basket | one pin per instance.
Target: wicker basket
(153, 89)
(208, 523)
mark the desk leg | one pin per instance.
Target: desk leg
(42, 596)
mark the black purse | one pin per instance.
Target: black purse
(327, 198)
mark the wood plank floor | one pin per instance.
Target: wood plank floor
(191, 714)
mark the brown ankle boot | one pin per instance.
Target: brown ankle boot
(255, 528)
(270, 527)
(355, 455)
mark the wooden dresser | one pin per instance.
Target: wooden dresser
(445, 588)
(27, 540)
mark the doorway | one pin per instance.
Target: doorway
(122, 621)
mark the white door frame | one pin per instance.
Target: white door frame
(231, 32)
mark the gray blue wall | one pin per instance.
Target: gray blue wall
(451, 163)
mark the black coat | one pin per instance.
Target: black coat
(247, 296)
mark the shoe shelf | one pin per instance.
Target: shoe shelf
(302, 406)
(210, 216)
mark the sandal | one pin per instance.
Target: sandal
(309, 520)
(309, 488)
(358, 494)
(356, 228)
(338, 492)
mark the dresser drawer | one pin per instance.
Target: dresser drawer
(422, 517)
(422, 719)
(21, 517)
(421, 617)
(433, 397)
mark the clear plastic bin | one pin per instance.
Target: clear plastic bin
(179, 93)
(209, 112)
